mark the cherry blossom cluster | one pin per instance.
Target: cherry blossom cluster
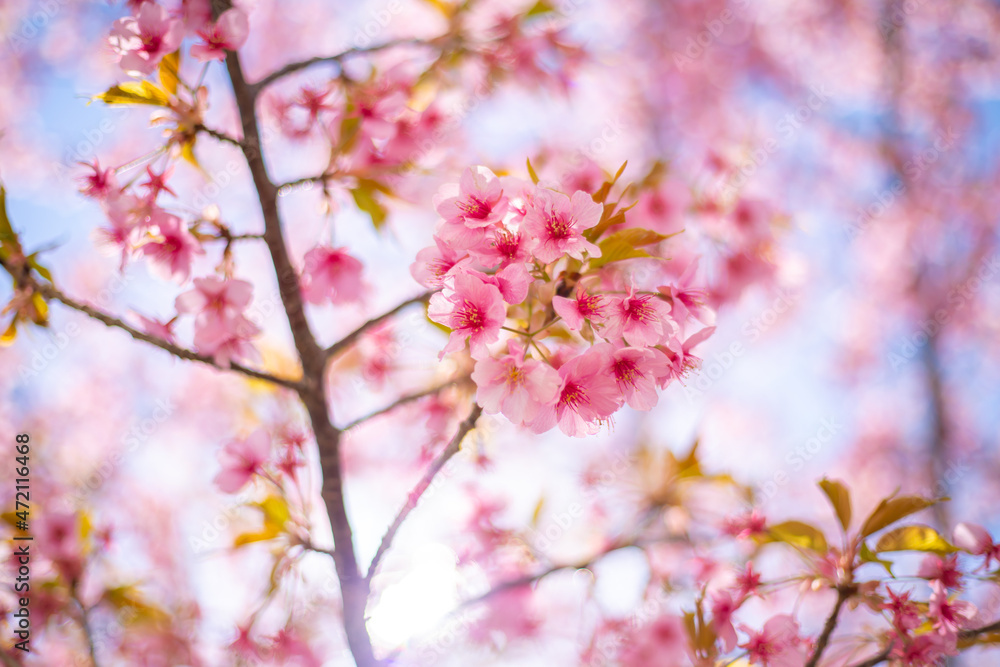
(141, 41)
(514, 263)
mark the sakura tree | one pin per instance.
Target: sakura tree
(416, 333)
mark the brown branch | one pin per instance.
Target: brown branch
(87, 631)
(843, 593)
(403, 400)
(353, 588)
(216, 134)
(414, 496)
(291, 68)
(349, 339)
(50, 292)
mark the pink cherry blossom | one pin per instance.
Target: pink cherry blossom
(745, 526)
(473, 310)
(512, 282)
(241, 459)
(588, 396)
(331, 275)
(154, 327)
(923, 651)
(635, 371)
(944, 569)
(171, 248)
(776, 645)
(141, 41)
(157, 183)
(687, 302)
(479, 202)
(584, 307)
(227, 34)
(977, 541)
(220, 329)
(515, 386)
(905, 613)
(435, 263)
(663, 643)
(949, 616)
(681, 357)
(100, 183)
(641, 319)
(557, 222)
(748, 581)
(723, 607)
(504, 247)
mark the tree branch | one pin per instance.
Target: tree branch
(403, 400)
(291, 68)
(414, 496)
(216, 134)
(50, 292)
(883, 655)
(347, 340)
(353, 588)
(843, 592)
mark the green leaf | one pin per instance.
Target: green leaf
(42, 271)
(135, 92)
(540, 7)
(840, 498)
(618, 247)
(914, 538)
(9, 335)
(891, 510)
(638, 237)
(531, 173)
(170, 68)
(364, 197)
(800, 534)
(867, 556)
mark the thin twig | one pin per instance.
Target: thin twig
(843, 593)
(349, 339)
(87, 631)
(221, 136)
(403, 400)
(414, 496)
(882, 656)
(51, 292)
(291, 68)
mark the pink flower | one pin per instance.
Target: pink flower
(588, 396)
(473, 310)
(504, 247)
(154, 327)
(687, 302)
(512, 282)
(142, 41)
(974, 539)
(723, 607)
(905, 613)
(584, 307)
(172, 247)
(157, 183)
(741, 527)
(331, 275)
(635, 371)
(435, 263)
(923, 651)
(242, 459)
(748, 581)
(777, 645)
(643, 320)
(558, 222)
(515, 386)
(99, 184)
(680, 356)
(663, 643)
(125, 213)
(220, 329)
(228, 34)
(940, 569)
(949, 617)
(479, 202)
